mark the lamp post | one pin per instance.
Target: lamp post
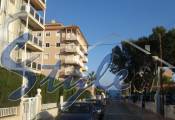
(161, 91)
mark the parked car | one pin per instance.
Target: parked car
(79, 111)
(170, 99)
(99, 107)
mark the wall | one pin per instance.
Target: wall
(169, 109)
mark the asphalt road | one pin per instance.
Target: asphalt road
(125, 111)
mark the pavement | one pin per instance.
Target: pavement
(117, 110)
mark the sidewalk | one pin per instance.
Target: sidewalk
(126, 111)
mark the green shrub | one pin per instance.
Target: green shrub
(10, 81)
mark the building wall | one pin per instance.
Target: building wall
(16, 28)
(52, 54)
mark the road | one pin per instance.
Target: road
(126, 111)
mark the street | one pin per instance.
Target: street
(126, 111)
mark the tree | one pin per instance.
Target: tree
(91, 76)
(142, 68)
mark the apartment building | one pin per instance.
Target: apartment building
(24, 16)
(67, 44)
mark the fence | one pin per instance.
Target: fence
(11, 111)
(29, 109)
(169, 109)
(49, 106)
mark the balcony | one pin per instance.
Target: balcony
(67, 48)
(85, 68)
(80, 53)
(33, 66)
(69, 71)
(34, 44)
(85, 59)
(35, 20)
(81, 63)
(71, 48)
(71, 60)
(69, 37)
(38, 4)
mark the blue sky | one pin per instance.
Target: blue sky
(100, 19)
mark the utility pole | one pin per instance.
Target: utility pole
(161, 91)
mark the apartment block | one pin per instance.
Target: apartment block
(24, 16)
(67, 44)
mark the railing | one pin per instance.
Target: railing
(33, 13)
(35, 40)
(69, 37)
(80, 53)
(85, 59)
(67, 71)
(49, 106)
(33, 65)
(81, 63)
(4, 112)
(70, 59)
(70, 71)
(43, 1)
(69, 48)
(29, 108)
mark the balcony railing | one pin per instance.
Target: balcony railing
(68, 48)
(81, 63)
(69, 37)
(38, 4)
(84, 68)
(44, 1)
(70, 60)
(33, 65)
(29, 9)
(34, 40)
(71, 48)
(80, 53)
(70, 71)
(85, 59)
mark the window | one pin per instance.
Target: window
(47, 34)
(57, 44)
(46, 56)
(57, 56)
(39, 34)
(47, 44)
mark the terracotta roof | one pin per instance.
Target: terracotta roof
(59, 26)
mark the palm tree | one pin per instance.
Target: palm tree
(91, 76)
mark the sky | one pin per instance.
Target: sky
(111, 21)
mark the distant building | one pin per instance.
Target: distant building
(67, 44)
